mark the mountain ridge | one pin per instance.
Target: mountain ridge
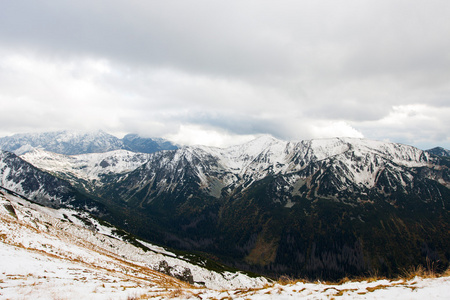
(439, 151)
(79, 142)
(29, 181)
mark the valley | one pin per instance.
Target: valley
(317, 209)
(66, 254)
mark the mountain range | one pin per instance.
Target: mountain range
(318, 208)
(73, 143)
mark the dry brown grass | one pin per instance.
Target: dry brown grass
(430, 271)
(287, 280)
(378, 287)
(343, 280)
(175, 293)
(251, 291)
(373, 277)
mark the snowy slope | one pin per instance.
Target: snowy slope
(76, 238)
(63, 254)
(86, 166)
(25, 179)
(415, 289)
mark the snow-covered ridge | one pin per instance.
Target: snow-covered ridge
(361, 160)
(256, 156)
(87, 166)
(267, 155)
(270, 151)
(23, 178)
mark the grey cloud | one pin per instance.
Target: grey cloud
(235, 122)
(351, 110)
(246, 67)
(242, 38)
(199, 35)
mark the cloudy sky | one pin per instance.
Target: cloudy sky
(221, 72)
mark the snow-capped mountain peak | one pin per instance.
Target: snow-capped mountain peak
(358, 162)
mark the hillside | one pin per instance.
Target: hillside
(66, 254)
(67, 238)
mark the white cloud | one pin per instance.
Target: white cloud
(197, 135)
(418, 124)
(330, 129)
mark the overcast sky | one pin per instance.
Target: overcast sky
(221, 72)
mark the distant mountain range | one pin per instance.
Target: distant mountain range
(439, 151)
(73, 143)
(318, 208)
